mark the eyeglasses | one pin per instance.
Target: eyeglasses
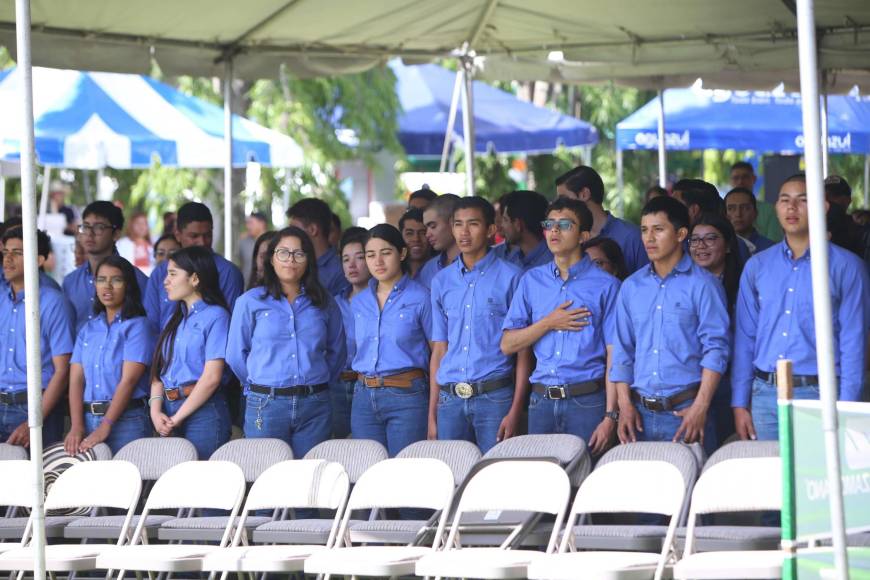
(163, 253)
(13, 253)
(601, 263)
(97, 229)
(558, 225)
(285, 255)
(707, 240)
(113, 281)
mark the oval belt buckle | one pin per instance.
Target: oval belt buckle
(463, 390)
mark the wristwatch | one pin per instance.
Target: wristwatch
(612, 415)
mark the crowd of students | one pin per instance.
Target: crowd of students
(577, 322)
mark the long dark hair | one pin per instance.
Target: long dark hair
(613, 252)
(193, 260)
(393, 237)
(253, 279)
(733, 261)
(272, 285)
(132, 306)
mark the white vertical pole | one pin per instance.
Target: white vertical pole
(819, 266)
(451, 120)
(3, 198)
(620, 194)
(31, 285)
(824, 119)
(663, 159)
(867, 182)
(468, 124)
(228, 167)
(43, 201)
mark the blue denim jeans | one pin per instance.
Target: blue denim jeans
(131, 425)
(475, 419)
(207, 428)
(302, 421)
(575, 416)
(663, 425)
(11, 416)
(393, 416)
(342, 394)
(765, 413)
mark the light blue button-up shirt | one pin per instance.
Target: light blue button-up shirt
(330, 273)
(78, 286)
(431, 268)
(468, 311)
(343, 300)
(395, 339)
(160, 308)
(565, 356)
(201, 337)
(539, 256)
(102, 349)
(668, 330)
(56, 337)
(775, 318)
(627, 236)
(274, 343)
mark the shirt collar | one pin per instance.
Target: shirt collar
(575, 270)
(326, 257)
(536, 252)
(789, 255)
(480, 266)
(684, 265)
(607, 223)
(400, 285)
(198, 306)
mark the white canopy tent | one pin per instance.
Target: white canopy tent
(646, 43)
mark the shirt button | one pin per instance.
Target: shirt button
(466, 327)
(662, 286)
(463, 370)
(464, 348)
(782, 356)
(791, 289)
(655, 351)
(292, 356)
(558, 353)
(655, 373)
(785, 334)
(658, 307)
(788, 311)
(795, 268)
(468, 305)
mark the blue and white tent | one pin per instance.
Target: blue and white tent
(88, 120)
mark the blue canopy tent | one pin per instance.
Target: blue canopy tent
(759, 121)
(501, 121)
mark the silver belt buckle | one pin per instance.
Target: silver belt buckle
(463, 390)
(556, 392)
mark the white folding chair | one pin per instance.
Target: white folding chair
(110, 484)
(301, 483)
(393, 483)
(524, 485)
(654, 487)
(16, 490)
(734, 485)
(195, 484)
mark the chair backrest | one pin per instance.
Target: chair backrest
(736, 485)
(102, 452)
(655, 487)
(154, 455)
(460, 456)
(111, 484)
(539, 486)
(254, 456)
(743, 450)
(12, 452)
(16, 485)
(403, 483)
(569, 450)
(355, 455)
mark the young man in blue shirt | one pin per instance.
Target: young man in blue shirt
(585, 184)
(741, 208)
(566, 311)
(474, 393)
(194, 227)
(775, 320)
(313, 216)
(672, 337)
(522, 215)
(56, 341)
(437, 218)
(102, 224)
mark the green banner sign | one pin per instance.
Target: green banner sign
(818, 564)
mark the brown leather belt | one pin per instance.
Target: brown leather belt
(557, 392)
(348, 375)
(100, 408)
(665, 404)
(180, 392)
(398, 380)
(13, 398)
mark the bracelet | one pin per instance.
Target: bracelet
(155, 398)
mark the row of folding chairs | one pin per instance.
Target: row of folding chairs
(539, 486)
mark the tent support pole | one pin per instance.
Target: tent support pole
(663, 160)
(468, 122)
(228, 164)
(43, 201)
(3, 197)
(867, 182)
(31, 284)
(819, 267)
(824, 118)
(451, 120)
(620, 199)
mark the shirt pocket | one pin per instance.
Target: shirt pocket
(680, 327)
(491, 317)
(269, 325)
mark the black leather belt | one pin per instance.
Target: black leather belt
(468, 390)
(558, 392)
(797, 380)
(295, 391)
(100, 408)
(13, 398)
(665, 404)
